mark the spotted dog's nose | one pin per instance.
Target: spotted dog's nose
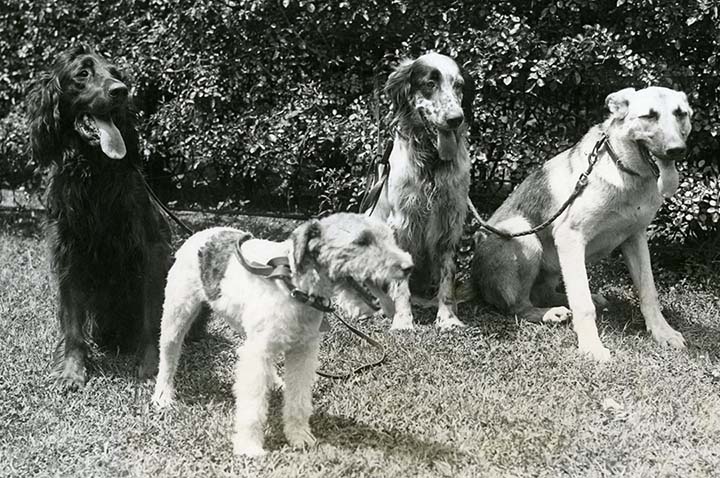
(455, 121)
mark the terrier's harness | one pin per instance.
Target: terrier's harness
(278, 269)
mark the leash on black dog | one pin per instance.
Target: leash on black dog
(162, 205)
(278, 269)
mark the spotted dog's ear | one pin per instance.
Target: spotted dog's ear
(305, 240)
(468, 98)
(398, 84)
(618, 102)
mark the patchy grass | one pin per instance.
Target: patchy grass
(499, 398)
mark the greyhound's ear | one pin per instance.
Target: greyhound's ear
(304, 241)
(469, 92)
(398, 84)
(618, 102)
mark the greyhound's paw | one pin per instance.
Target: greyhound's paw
(402, 322)
(596, 351)
(300, 438)
(666, 335)
(557, 315)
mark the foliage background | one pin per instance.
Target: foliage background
(275, 104)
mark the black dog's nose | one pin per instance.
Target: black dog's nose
(454, 121)
(118, 91)
(675, 152)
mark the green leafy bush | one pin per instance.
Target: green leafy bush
(276, 105)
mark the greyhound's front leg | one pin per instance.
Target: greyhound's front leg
(637, 258)
(571, 253)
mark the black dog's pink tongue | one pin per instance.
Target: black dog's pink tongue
(111, 141)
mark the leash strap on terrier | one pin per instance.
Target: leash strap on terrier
(278, 269)
(579, 188)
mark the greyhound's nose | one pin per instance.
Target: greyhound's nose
(675, 152)
(118, 91)
(454, 121)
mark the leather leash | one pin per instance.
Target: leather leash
(278, 269)
(582, 182)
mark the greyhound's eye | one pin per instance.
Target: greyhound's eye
(651, 115)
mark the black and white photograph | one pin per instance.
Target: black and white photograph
(377, 238)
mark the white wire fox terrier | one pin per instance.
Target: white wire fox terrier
(330, 257)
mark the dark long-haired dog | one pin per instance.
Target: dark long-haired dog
(108, 242)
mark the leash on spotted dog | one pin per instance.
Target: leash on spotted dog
(278, 270)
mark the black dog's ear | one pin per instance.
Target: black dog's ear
(398, 84)
(469, 93)
(43, 104)
(305, 240)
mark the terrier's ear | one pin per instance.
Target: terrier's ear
(305, 240)
(618, 102)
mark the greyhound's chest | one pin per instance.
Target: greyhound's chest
(613, 221)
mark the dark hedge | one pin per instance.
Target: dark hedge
(275, 105)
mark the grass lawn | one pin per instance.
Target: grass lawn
(499, 398)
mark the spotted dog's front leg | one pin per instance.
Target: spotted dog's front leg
(446, 316)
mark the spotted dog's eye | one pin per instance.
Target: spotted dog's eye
(430, 84)
(651, 115)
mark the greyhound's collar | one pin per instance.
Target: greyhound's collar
(278, 269)
(644, 153)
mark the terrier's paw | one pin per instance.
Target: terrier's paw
(666, 335)
(596, 351)
(250, 448)
(300, 438)
(557, 315)
(402, 322)
(163, 398)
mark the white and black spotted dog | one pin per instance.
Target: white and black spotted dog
(326, 258)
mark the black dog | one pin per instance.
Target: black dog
(109, 244)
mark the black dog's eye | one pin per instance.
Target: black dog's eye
(651, 115)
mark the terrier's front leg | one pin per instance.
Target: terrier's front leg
(301, 362)
(400, 293)
(252, 379)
